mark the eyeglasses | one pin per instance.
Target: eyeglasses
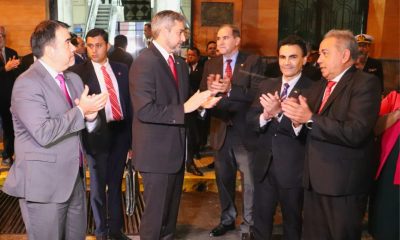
(96, 46)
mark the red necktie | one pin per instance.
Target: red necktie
(327, 93)
(171, 64)
(115, 108)
(228, 69)
(60, 78)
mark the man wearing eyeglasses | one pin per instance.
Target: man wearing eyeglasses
(9, 63)
(108, 147)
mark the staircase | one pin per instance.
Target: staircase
(103, 16)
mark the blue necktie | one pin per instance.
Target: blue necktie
(285, 91)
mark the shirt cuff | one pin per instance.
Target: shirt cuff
(263, 122)
(297, 129)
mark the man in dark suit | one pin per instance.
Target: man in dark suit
(80, 50)
(229, 135)
(194, 123)
(160, 90)
(26, 62)
(365, 62)
(119, 54)
(279, 161)
(107, 148)
(211, 52)
(9, 71)
(50, 107)
(339, 152)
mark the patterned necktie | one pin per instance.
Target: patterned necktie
(63, 86)
(228, 69)
(285, 91)
(171, 64)
(2, 58)
(327, 93)
(115, 107)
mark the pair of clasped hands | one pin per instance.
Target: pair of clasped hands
(294, 107)
(91, 104)
(209, 98)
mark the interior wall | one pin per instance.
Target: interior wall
(384, 26)
(20, 18)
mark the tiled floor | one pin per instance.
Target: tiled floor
(199, 209)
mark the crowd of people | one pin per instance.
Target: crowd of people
(303, 132)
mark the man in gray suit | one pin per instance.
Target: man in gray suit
(50, 107)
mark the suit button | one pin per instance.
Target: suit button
(275, 135)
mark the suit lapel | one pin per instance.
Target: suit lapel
(238, 66)
(181, 82)
(118, 75)
(164, 65)
(339, 88)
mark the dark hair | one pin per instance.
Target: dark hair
(148, 25)
(97, 32)
(120, 41)
(211, 42)
(74, 39)
(44, 34)
(195, 49)
(294, 40)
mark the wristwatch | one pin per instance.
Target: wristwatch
(309, 124)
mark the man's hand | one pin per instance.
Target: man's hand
(297, 110)
(91, 104)
(216, 84)
(12, 64)
(211, 102)
(195, 101)
(271, 104)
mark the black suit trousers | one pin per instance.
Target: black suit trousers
(106, 170)
(8, 130)
(162, 194)
(333, 217)
(267, 195)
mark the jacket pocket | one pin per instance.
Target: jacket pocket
(41, 157)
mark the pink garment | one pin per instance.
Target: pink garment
(389, 104)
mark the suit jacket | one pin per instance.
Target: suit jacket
(374, 66)
(195, 78)
(119, 55)
(7, 78)
(339, 154)
(158, 120)
(231, 110)
(277, 141)
(79, 59)
(119, 131)
(26, 62)
(47, 137)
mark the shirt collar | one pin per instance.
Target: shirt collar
(98, 65)
(53, 73)
(163, 52)
(338, 77)
(233, 57)
(293, 81)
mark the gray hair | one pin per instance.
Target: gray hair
(345, 41)
(165, 19)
